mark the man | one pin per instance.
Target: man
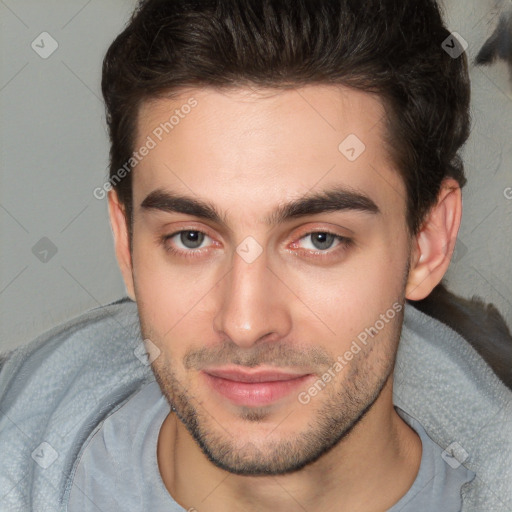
(284, 176)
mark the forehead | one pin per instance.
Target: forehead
(245, 147)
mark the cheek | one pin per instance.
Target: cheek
(158, 289)
(347, 300)
(169, 296)
(381, 287)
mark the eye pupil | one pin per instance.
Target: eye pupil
(191, 239)
(322, 240)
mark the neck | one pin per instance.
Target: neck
(368, 470)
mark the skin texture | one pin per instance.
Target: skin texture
(298, 306)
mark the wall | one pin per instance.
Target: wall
(54, 153)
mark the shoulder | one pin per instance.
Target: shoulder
(96, 348)
(443, 382)
(102, 338)
(55, 390)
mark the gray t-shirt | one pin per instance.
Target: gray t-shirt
(118, 469)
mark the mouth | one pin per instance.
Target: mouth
(254, 387)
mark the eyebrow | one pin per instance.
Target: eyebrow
(332, 200)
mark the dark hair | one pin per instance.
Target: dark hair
(393, 48)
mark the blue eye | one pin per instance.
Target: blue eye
(191, 239)
(322, 246)
(184, 242)
(321, 240)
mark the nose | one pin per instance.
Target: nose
(252, 304)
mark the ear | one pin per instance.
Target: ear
(118, 222)
(432, 247)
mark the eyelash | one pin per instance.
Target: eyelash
(343, 244)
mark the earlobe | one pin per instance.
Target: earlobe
(433, 245)
(119, 226)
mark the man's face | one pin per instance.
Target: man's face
(251, 310)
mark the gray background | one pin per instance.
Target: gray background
(54, 153)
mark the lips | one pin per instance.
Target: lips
(254, 387)
(252, 376)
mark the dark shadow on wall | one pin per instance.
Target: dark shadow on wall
(499, 45)
(479, 323)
